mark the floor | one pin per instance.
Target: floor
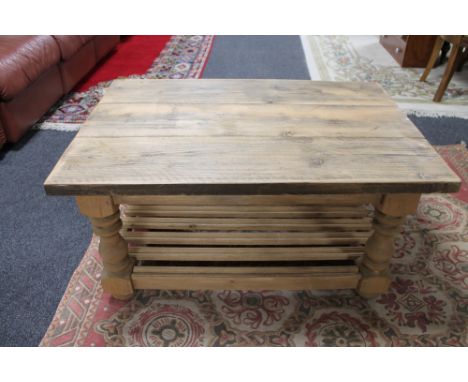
(43, 238)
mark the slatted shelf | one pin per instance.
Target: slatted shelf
(254, 246)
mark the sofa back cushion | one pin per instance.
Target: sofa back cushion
(22, 60)
(69, 45)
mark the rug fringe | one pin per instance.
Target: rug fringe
(435, 111)
(309, 58)
(57, 126)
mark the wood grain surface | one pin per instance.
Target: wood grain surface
(195, 137)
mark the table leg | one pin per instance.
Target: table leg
(389, 214)
(105, 219)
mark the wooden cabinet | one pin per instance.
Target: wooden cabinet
(409, 51)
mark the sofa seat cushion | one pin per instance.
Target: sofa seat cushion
(69, 45)
(22, 60)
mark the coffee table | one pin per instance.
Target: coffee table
(247, 184)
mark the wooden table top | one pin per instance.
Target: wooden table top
(248, 137)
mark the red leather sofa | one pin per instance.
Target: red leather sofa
(35, 71)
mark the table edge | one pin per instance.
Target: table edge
(251, 189)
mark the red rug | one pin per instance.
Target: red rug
(427, 304)
(181, 57)
(133, 55)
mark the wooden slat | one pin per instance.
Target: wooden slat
(240, 224)
(240, 200)
(247, 165)
(245, 254)
(246, 211)
(246, 91)
(265, 270)
(244, 282)
(158, 120)
(246, 238)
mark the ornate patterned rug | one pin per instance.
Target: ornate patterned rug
(457, 158)
(362, 58)
(427, 304)
(182, 57)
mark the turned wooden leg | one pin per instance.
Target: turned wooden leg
(434, 56)
(378, 252)
(105, 219)
(374, 268)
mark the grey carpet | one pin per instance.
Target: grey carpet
(257, 57)
(43, 238)
(442, 130)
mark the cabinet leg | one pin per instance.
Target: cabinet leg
(374, 268)
(434, 56)
(449, 71)
(105, 219)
